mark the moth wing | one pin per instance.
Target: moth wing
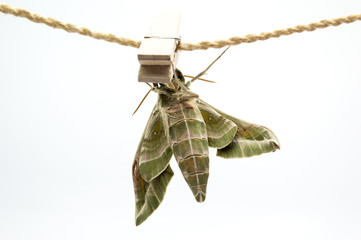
(249, 140)
(154, 149)
(148, 195)
(220, 130)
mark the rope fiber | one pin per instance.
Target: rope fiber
(71, 28)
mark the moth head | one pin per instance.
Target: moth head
(177, 83)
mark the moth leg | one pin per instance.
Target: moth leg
(205, 70)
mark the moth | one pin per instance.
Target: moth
(183, 125)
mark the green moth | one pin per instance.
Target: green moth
(183, 125)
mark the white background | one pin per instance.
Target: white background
(67, 137)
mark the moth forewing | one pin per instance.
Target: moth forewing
(155, 151)
(151, 171)
(250, 139)
(149, 195)
(220, 130)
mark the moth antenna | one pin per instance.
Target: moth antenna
(146, 95)
(202, 79)
(205, 70)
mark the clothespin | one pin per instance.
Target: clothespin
(158, 51)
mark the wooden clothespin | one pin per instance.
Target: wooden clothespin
(158, 51)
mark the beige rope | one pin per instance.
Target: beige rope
(51, 22)
(275, 34)
(184, 46)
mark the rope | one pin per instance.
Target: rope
(51, 22)
(275, 34)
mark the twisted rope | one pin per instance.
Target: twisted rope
(51, 22)
(267, 35)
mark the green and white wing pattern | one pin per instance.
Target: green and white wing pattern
(149, 195)
(220, 130)
(151, 170)
(154, 150)
(249, 140)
